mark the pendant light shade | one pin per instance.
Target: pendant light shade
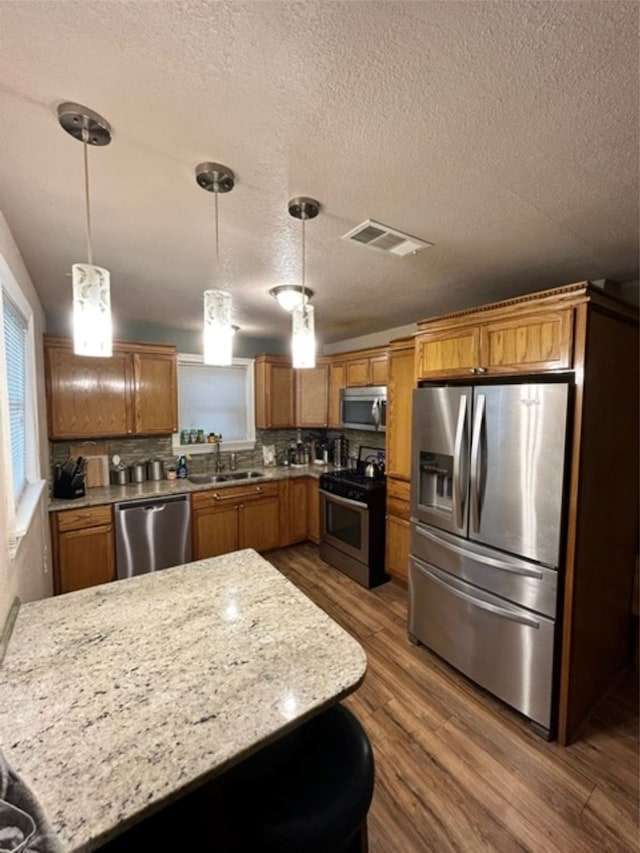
(303, 336)
(218, 330)
(290, 295)
(92, 333)
(92, 328)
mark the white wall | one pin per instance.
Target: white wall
(378, 339)
(29, 576)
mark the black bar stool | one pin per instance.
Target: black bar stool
(307, 793)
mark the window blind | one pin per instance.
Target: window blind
(15, 342)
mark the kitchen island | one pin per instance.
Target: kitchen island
(118, 699)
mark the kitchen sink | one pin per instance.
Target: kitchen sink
(232, 477)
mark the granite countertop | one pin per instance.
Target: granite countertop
(116, 699)
(155, 488)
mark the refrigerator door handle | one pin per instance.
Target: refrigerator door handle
(478, 423)
(480, 558)
(458, 476)
(483, 605)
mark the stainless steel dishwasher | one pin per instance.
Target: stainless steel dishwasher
(152, 534)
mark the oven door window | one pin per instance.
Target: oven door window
(347, 528)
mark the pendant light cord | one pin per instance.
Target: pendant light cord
(86, 196)
(215, 194)
(304, 272)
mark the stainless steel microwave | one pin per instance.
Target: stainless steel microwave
(364, 408)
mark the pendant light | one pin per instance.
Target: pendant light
(92, 331)
(290, 295)
(303, 338)
(218, 330)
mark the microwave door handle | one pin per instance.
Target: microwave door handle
(458, 475)
(375, 413)
(478, 423)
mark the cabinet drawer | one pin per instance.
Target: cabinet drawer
(90, 516)
(229, 494)
(398, 493)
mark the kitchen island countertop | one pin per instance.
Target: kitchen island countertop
(117, 699)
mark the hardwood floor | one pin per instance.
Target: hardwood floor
(455, 768)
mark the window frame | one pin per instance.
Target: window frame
(25, 508)
(226, 446)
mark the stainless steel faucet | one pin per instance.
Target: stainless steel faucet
(219, 465)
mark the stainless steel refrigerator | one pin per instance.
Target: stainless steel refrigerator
(488, 470)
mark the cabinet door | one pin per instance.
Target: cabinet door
(312, 399)
(298, 512)
(357, 372)
(337, 381)
(536, 343)
(274, 393)
(214, 531)
(258, 523)
(155, 394)
(450, 353)
(399, 404)
(378, 369)
(87, 397)
(397, 548)
(86, 557)
(313, 506)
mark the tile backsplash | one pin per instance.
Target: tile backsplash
(132, 450)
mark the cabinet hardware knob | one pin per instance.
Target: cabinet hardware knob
(481, 370)
(472, 370)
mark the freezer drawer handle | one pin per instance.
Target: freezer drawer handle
(483, 605)
(481, 558)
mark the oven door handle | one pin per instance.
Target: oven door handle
(341, 500)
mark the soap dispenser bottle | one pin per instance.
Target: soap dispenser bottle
(183, 470)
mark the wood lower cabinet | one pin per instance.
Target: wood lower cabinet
(398, 529)
(132, 393)
(508, 340)
(234, 518)
(294, 498)
(83, 548)
(313, 509)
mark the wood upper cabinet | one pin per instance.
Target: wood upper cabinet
(154, 393)
(83, 548)
(508, 340)
(287, 398)
(366, 367)
(400, 387)
(312, 395)
(337, 381)
(236, 517)
(132, 393)
(274, 392)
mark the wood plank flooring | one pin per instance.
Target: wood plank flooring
(455, 768)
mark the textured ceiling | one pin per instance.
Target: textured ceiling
(504, 133)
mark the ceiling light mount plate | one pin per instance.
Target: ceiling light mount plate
(84, 124)
(215, 178)
(304, 208)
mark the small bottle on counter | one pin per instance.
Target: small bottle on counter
(183, 469)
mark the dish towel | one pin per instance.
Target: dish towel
(23, 825)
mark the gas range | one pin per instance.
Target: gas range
(355, 486)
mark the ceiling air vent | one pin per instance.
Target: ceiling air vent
(374, 235)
